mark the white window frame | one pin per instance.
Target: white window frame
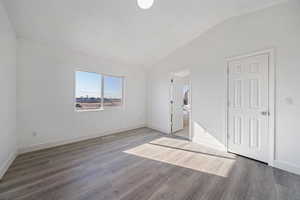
(102, 108)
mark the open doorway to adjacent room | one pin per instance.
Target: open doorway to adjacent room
(180, 104)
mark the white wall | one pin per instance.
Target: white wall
(8, 91)
(158, 97)
(276, 27)
(45, 91)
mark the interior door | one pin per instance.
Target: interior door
(248, 107)
(177, 95)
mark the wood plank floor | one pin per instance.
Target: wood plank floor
(143, 164)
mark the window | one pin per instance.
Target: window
(95, 91)
(113, 89)
(88, 90)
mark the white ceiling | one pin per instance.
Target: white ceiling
(118, 28)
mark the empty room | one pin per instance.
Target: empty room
(150, 100)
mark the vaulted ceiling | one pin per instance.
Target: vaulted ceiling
(119, 29)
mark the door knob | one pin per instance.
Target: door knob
(265, 113)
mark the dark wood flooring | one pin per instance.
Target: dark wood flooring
(143, 164)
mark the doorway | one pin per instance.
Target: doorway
(251, 106)
(180, 104)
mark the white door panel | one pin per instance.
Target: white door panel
(177, 105)
(248, 107)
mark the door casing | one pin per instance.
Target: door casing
(191, 105)
(271, 95)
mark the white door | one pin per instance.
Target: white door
(177, 104)
(248, 107)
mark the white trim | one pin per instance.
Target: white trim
(191, 136)
(226, 106)
(7, 164)
(91, 110)
(47, 145)
(191, 106)
(272, 99)
(108, 108)
(287, 166)
(158, 129)
(170, 98)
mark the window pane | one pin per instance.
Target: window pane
(113, 91)
(88, 91)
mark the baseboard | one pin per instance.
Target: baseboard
(47, 145)
(157, 129)
(7, 164)
(286, 166)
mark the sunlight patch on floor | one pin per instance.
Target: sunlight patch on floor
(185, 154)
(202, 136)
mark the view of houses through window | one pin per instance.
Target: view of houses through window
(97, 91)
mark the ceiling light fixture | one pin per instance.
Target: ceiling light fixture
(145, 4)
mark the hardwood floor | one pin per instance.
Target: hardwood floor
(143, 164)
(183, 134)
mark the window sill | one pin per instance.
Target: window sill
(91, 110)
(101, 109)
